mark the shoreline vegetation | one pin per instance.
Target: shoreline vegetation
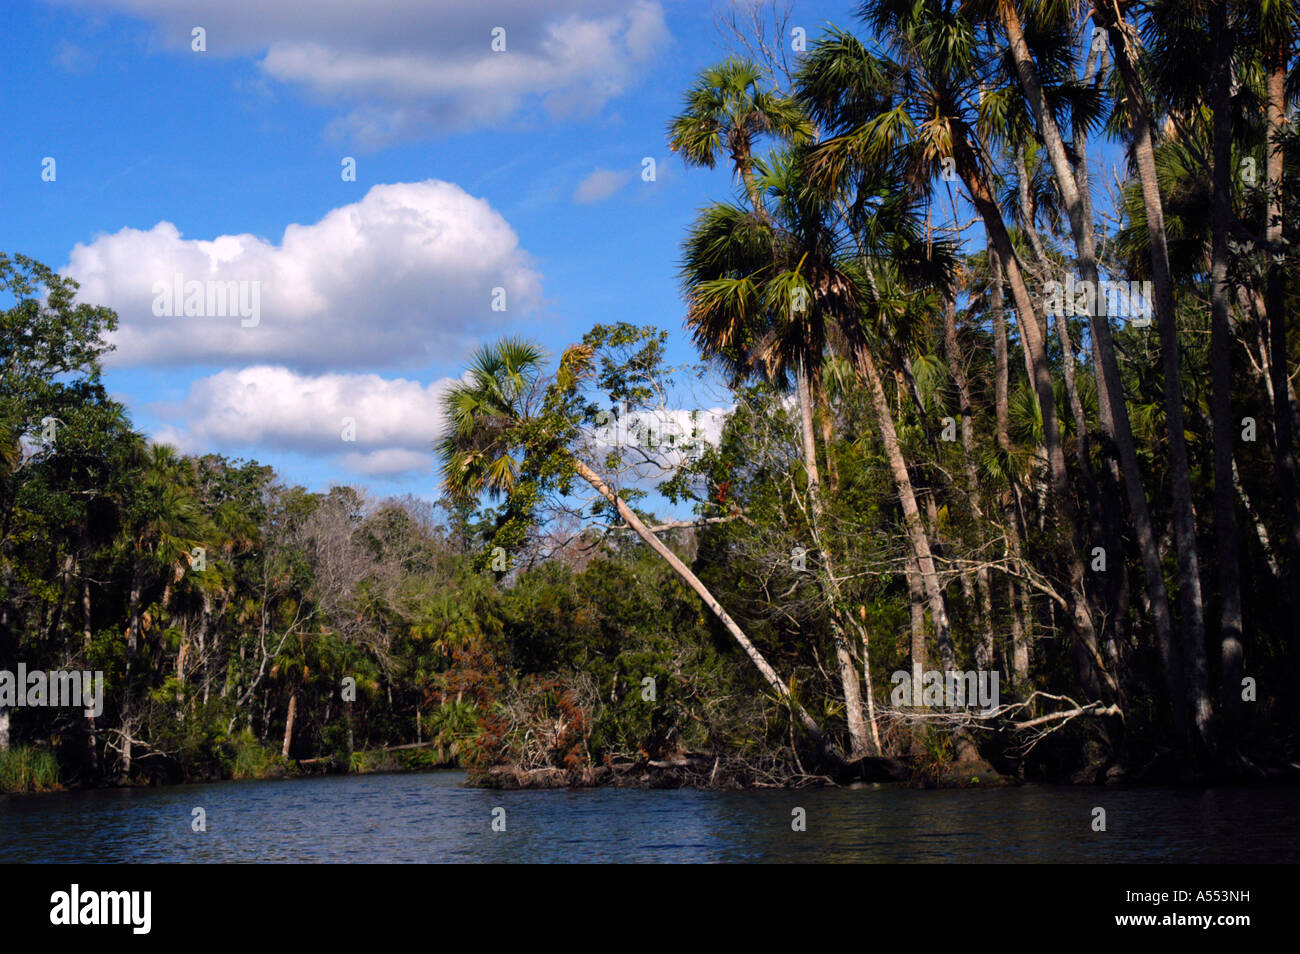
(895, 459)
(27, 771)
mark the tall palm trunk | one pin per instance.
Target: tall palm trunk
(827, 422)
(1092, 668)
(681, 569)
(916, 595)
(918, 658)
(966, 750)
(288, 724)
(92, 747)
(182, 656)
(987, 651)
(1288, 473)
(1107, 521)
(1020, 625)
(859, 740)
(1085, 246)
(1191, 599)
(1225, 512)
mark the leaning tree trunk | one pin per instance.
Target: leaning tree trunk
(966, 749)
(738, 634)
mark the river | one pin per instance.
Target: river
(434, 817)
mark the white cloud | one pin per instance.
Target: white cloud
(394, 421)
(409, 68)
(600, 185)
(72, 58)
(390, 462)
(402, 277)
(665, 436)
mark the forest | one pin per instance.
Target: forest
(996, 377)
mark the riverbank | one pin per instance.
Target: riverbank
(27, 771)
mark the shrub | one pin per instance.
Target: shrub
(24, 770)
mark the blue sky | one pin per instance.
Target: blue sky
(475, 170)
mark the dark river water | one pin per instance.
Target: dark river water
(433, 817)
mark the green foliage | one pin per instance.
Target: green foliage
(246, 758)
(24, 770)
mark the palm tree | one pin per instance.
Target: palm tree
(925, 119)
(1275, 25)
(161, 528)
(728, 109)
(1225, 427)
(1057, 21)
(497, 416)
(761, 297)
(844, 259)
(1125, 45)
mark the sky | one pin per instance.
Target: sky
(495, 191)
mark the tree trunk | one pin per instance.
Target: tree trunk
(827, 421)
(987, 654)
(1288, 474)
(288, 724)
(1260, 530)
(182, 655)
(917, 653)
(965, 745)
(132, 648)
(87, 640)
(1085, 246)
(682, 570)
(1224, 427)
(916, 593)
(859, 743)
(1092, 668)
(1191, 599)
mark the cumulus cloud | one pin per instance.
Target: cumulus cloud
(599, 185)
(397, 279)
(389, 462)
(392, 423)
(666, 437)
(408, 68)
